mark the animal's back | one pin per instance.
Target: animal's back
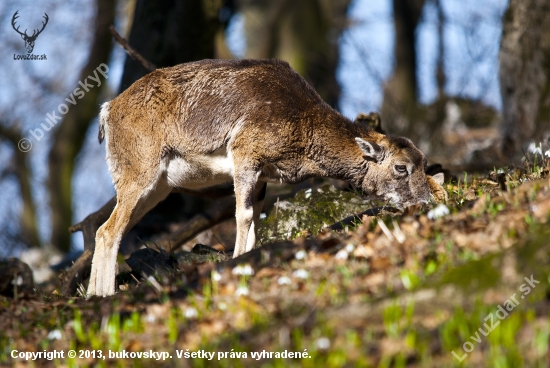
(197, 107)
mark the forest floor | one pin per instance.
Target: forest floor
(466, 284)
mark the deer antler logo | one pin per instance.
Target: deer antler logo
(29, 40)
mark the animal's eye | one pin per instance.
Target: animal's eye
(401, 169)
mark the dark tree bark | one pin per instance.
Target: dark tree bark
(440, 72)
(525, 73)
(304, 33)
(171, 32)
(69, 135)
(401, 91)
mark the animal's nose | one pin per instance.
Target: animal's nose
(426, 197)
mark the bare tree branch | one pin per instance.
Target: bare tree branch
(130, 51)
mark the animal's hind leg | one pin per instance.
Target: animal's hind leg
(131, 205)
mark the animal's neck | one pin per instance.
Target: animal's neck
(337, 154)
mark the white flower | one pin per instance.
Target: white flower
(54, 335)
(349, 247)
(284, 280)
(322, 343)
(440, 211)
(18, 281)
(216, 276)
(241, 290)
(301, 254)
(300, 274)
(342, 254)
(191, 313)
(245, 270)
(534, 149)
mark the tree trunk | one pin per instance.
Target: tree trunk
(525, 73)
(28, 225)
(171, 32)
(440, 68)
(304, 33)
(69, 136)
(399, 107)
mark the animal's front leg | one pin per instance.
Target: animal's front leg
(245, 185)
(259, 196)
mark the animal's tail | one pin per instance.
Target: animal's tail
(103, 116)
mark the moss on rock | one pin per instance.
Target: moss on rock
(311, 210)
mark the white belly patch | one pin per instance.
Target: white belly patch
(200, 171)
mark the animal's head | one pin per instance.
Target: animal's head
(29, 40)
(396, 172)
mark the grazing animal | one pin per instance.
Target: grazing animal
(202, 124)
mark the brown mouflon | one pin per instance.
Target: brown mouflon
(207, 123)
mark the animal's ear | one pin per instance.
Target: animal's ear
(439, 178)
(370, 149)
